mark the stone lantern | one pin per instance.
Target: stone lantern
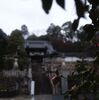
(15, 63)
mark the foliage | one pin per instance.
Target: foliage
(3, 42)
(1, 63)
(8, 64)
(46, 4)
(86, 33)
(68, 32)
(83, 80)
(15, 41)
(16, 48)
(54, 30)
(24, 30)
(81, 8)
(23, 62)
(3, 46)
(89, 31)
(75, 24)
(58, 40)
(32, 37)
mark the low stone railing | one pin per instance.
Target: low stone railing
(13, 73)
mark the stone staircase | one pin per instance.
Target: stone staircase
(43, 85)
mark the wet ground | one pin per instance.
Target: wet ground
(37, 97)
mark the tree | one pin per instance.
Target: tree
(50, 29)
(25, 31)
(81, 8)
(3, 46)
(15, 42)
(3, 42)
(32, 37)
(67, 31)
(54, 30)
(16, 48)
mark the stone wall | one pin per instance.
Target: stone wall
(65, 68)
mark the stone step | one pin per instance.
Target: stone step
(48, 97)
(42, 97)
(57, 97)
(36, 97)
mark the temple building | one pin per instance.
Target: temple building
(37, 50)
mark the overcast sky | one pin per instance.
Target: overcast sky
(14, 13)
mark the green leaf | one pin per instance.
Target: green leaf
(46, 5)
(75, 24)
(61, 3)
(80, 8)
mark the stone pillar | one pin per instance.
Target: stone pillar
(63, 75)
(64, 81)
(30, 77)
(32, 88)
